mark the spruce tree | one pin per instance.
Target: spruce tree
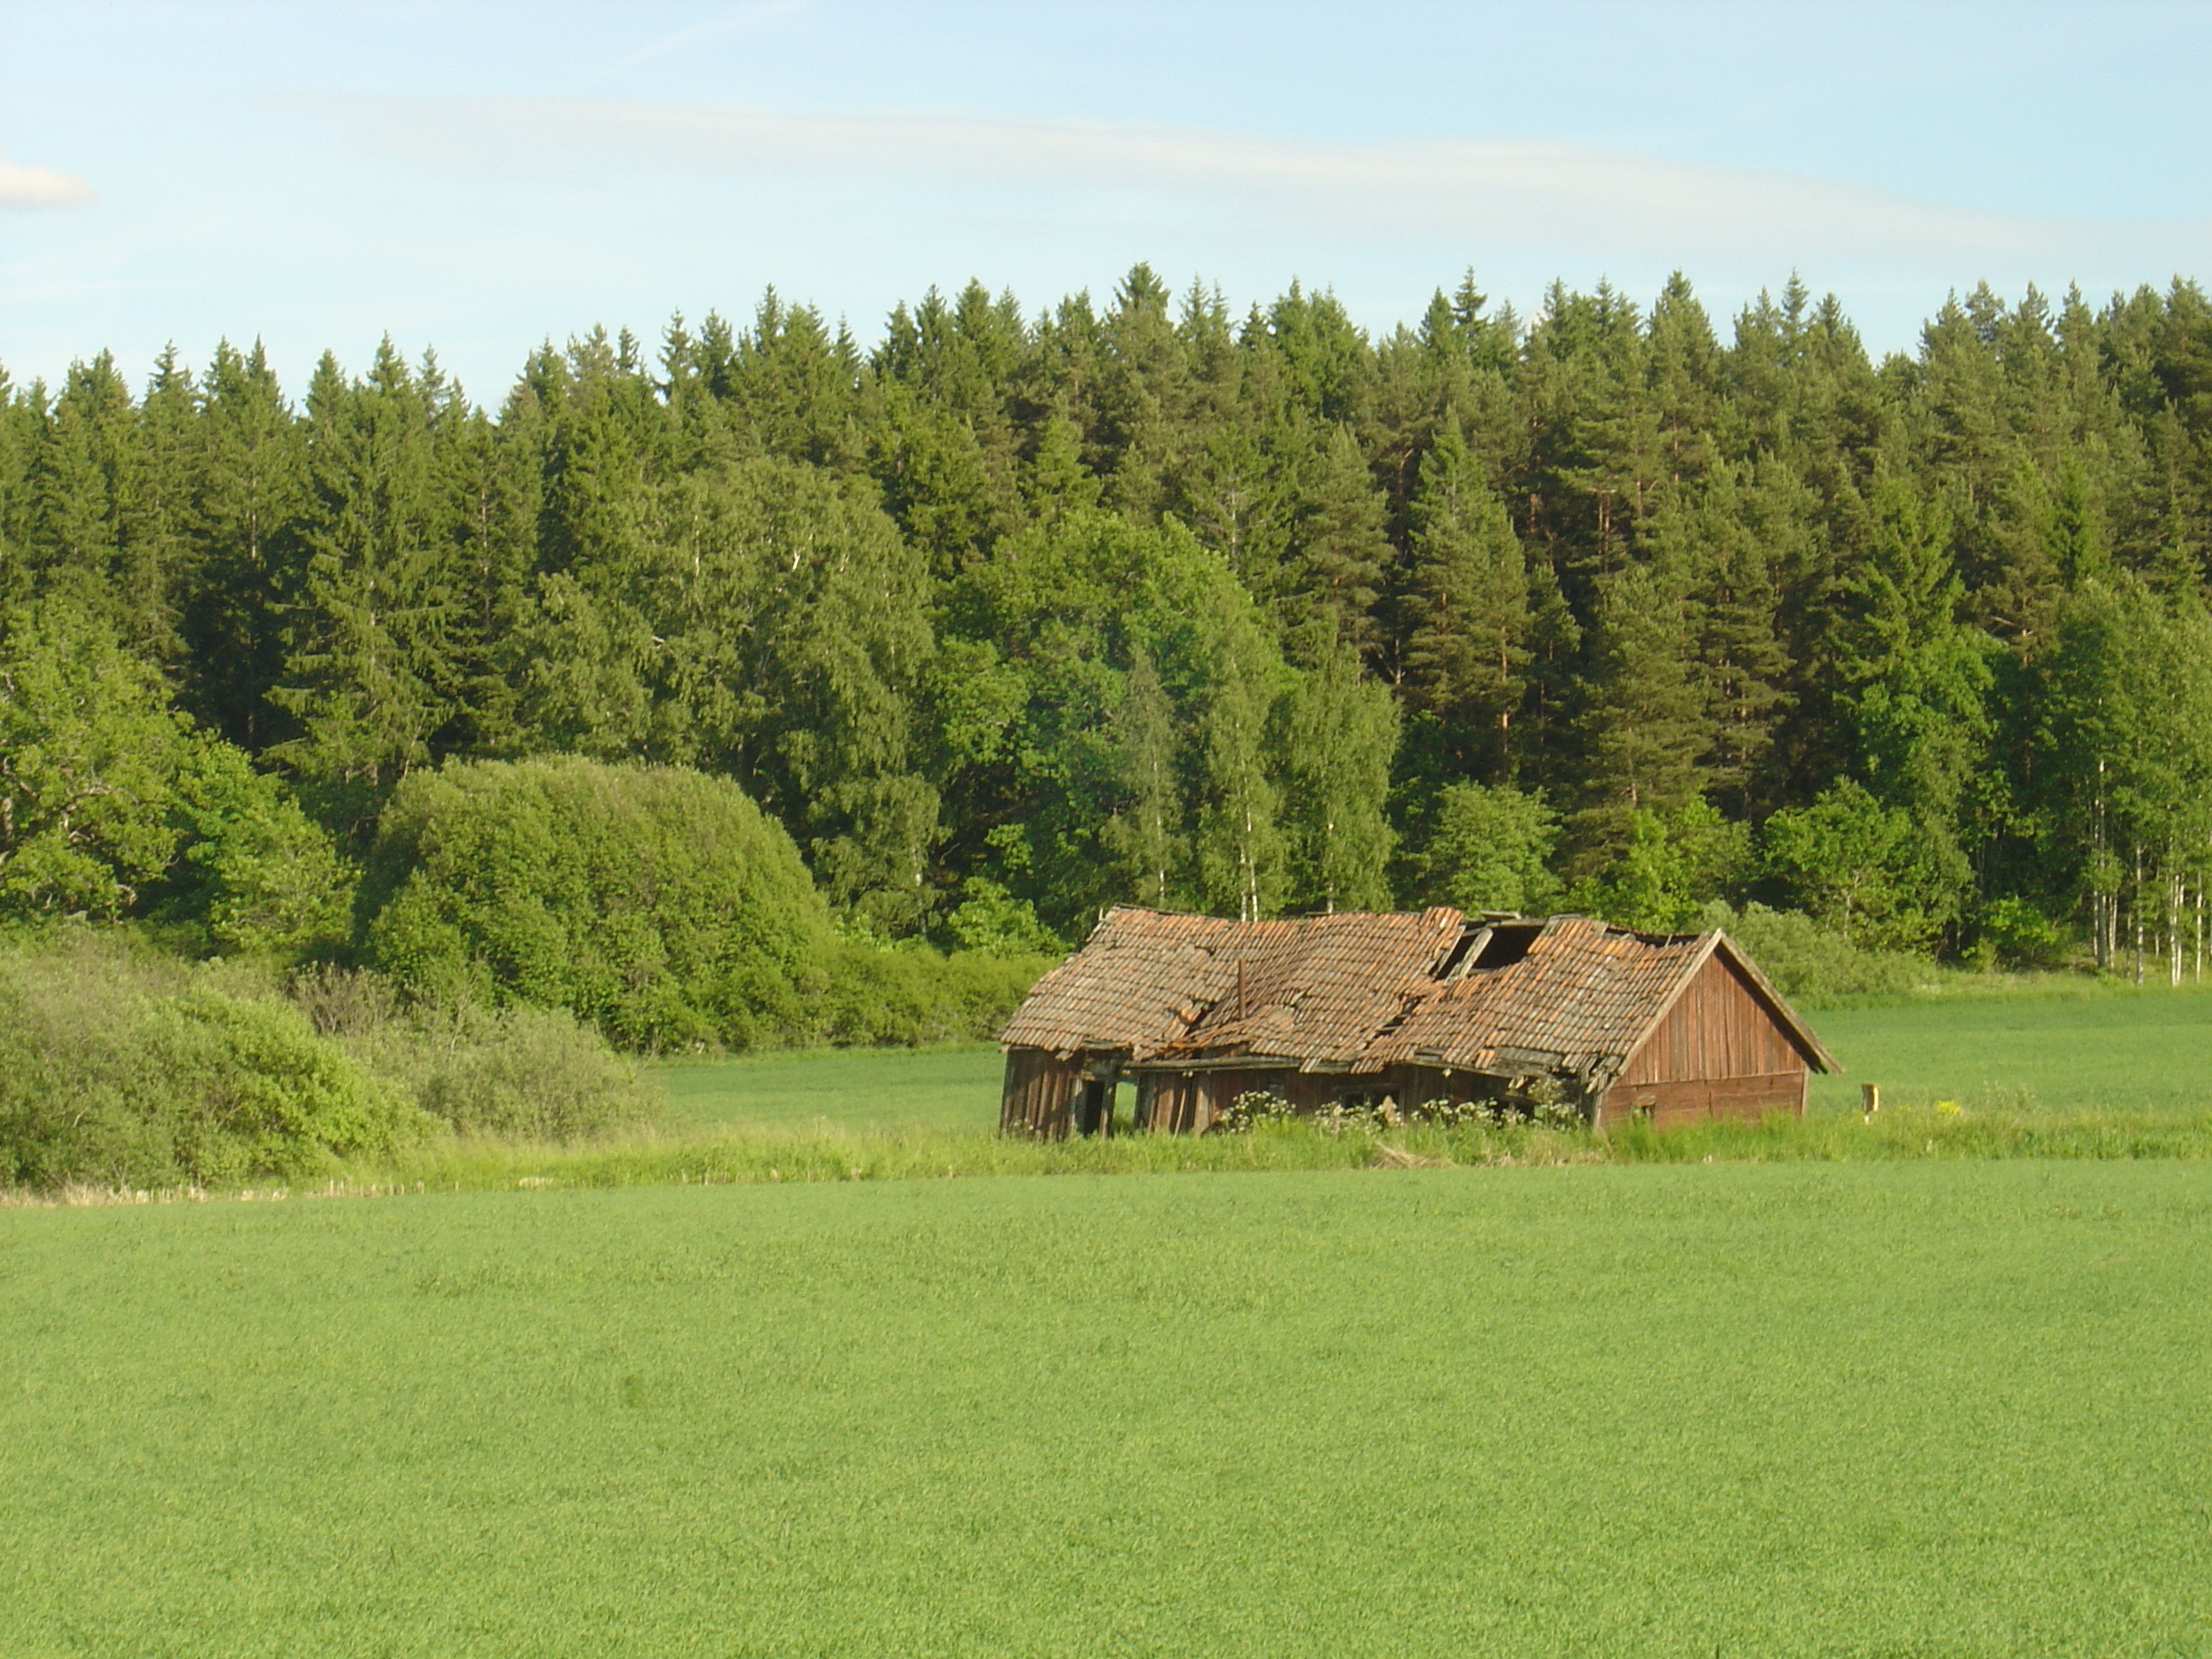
(86, 531)
(1143, 396)
(20, 421)
(1743, 662)
(1643, 728)
(1338, 541)
(251, 489)
(1914, 677)
(368, 670)
(1466, 609)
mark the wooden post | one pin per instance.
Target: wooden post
(1869, 1099)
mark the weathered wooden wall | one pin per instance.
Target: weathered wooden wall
(1718, 1053)
(1696, 1100)
(1187, 1102)
(1039, 1097)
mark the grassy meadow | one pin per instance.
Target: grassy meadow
(1930, 1408)
(1933, 1385)
(953, 1090)
(2052, 1046)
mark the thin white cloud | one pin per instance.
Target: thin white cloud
(1560, 199)
(741, 20)
(26, 186)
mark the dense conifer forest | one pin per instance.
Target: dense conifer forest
(1013, 615)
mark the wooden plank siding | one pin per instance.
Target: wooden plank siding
(1696, 1100)
(1189, 1103)
(1039, 1098)
(1183, 1102)
(1718, 1052)
(1693, 1031)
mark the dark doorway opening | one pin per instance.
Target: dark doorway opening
(1094, 1104)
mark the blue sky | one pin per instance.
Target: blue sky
(480, 177)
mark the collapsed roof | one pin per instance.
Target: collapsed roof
(1359, 992)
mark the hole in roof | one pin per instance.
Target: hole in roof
(1508, 943)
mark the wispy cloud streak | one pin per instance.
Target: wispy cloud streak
(741, 20)
(1564, 199)
(26, 186)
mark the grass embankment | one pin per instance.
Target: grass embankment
(1932, 1408)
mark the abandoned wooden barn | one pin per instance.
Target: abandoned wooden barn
(1413, 1008)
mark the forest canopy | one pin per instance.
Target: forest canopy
(1014, 615)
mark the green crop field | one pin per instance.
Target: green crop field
(2147, 1050)
(949, 1089)
(1939, 1405)
(1921, 1408)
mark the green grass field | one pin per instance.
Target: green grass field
(1931, 1408)
(2148, 1050)
(1920, 1401)
(949, 1089)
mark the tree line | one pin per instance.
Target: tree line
(1015, 615)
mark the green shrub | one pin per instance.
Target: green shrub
(660, 904)
(2015, 933)
(1811, 965)
(120, 1069)
(519, 1072)
(913, 994)
(989, 919)
(255, 1091)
